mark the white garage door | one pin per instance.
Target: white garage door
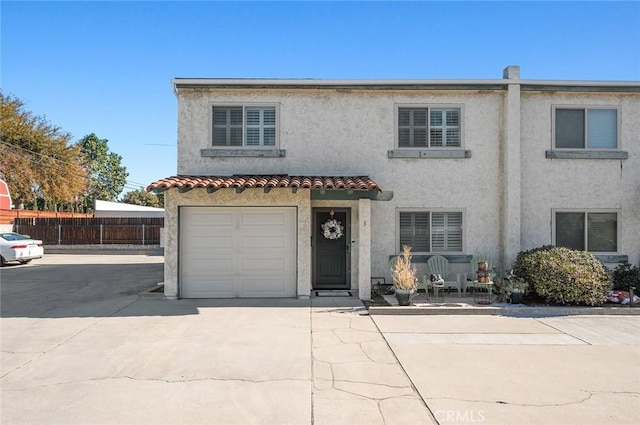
(237, 252)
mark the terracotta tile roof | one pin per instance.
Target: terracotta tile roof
(268, 181)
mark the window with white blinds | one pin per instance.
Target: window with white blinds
(427, 231)
(586, 128)
(244, 126)
(587, 231)
(441, 129)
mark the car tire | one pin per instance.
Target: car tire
(2, 261)
(24, 261)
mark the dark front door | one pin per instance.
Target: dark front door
(331, 248)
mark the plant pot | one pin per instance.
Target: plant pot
(404, 296)
(516, 297)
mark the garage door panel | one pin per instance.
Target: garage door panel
(205, 218)
(204, 243)
(264, 265)
(264, 218)
(264, 242)
(273, 286)
(237, 252)
(208, 286)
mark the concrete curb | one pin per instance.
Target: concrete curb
(104, 249)
(463, 306)
(504, 311)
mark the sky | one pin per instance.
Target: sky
(105, 67)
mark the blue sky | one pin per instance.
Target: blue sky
(105, 67)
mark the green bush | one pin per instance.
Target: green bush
(563, 276)
(626, 275)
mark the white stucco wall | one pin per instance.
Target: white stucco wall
(579, 183)
(350, 133)
(506, 189)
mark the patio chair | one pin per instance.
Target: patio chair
(440, 265)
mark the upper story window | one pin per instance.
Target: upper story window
(426, 231)
(594, 231)
(429, 127)
(251, 126)
(586, 128)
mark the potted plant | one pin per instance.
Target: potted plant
(517, 288)
(405, 281)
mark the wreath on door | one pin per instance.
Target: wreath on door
(332, 229)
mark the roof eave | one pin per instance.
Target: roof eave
(501, 84)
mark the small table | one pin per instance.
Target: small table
(482, 297)
(435, 287)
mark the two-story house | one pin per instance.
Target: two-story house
(286, 186)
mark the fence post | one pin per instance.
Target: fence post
(101, 234)
(143, 233)
(59, 234)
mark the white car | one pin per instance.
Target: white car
(17, 247)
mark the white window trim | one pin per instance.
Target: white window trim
(244, 106)
(432, 210)
(585, 108)
(399, 106)
(585, 211)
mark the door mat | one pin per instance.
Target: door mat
(334, 294)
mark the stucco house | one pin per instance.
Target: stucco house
(451, 167)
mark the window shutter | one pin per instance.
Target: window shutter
(227, 126)
(414, 231)
(570, 230)
(602, 128)
(454, 231)
(412, 127)
(602, 229)
(444, 128)
(446, 232)
(438, 232)
(569, 128)
(453, 128)
(260, 126)
(436, 126)
(269, 126)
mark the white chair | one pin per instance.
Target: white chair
(440, 265)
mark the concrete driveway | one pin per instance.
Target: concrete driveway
(519, 370)
(80, 346)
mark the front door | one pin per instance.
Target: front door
(331, 248)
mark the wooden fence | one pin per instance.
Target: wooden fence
(7, 216)
(92, 231)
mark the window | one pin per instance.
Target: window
(428, 127)
(587, 231)
(427, 231)
(244, 126)
(586, 128)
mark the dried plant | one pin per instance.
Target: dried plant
(403, 272)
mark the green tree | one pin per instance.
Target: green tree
(142, 197)
(107, 175)
(36, 159)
